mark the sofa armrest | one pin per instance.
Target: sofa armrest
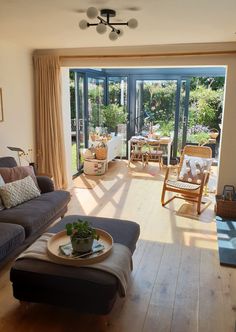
(45, 184)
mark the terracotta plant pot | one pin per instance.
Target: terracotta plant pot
(214, 133)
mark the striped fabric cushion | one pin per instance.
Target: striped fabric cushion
(182, 185)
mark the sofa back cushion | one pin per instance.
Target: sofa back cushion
(7, 162)
(17, 192)
(2, 183)
(10, 174)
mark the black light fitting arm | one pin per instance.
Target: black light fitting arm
(108, 23)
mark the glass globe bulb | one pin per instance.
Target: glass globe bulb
(121, 33)
(132, 23)
(83, 24)
(113, 35)
(92, 12)
(101, 28)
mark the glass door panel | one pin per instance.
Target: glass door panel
(156, 109)
(80, 120)
(156, 106)
(139, 111)
(74, 166)
(117, 94)
(183, 115)
(96, 99)
(205, 111)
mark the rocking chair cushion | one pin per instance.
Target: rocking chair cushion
(193, 169)
(182, 185)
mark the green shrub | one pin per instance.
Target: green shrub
(200, 138)
(112, 115)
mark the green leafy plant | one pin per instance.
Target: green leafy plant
(81, 229)
(200, 138)
(112, 115)
(166, 128)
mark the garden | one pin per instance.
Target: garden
(205, 107)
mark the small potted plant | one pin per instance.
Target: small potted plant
(81, 235)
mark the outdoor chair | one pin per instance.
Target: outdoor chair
(192, 176)
(139, 150)
(155, 153)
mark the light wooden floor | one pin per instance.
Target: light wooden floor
(177, 283)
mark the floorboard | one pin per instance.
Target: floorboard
(177, 283)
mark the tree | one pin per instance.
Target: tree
(206, 103)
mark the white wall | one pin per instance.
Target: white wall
(65, 92)
(16, 82)
(227, 166)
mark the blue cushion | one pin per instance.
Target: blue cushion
(7, 162)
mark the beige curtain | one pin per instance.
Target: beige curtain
(50, 149)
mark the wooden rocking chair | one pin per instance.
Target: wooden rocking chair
(185, 189)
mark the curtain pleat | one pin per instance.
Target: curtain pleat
(50, 148)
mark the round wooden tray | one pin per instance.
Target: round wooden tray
(62, 238)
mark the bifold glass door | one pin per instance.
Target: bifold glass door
(89, 99)
(118, 94)
(161, 107)
(156, 106)
(80, 122)
(170, 105)
(96, 100)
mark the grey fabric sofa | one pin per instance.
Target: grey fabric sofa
(21, 225)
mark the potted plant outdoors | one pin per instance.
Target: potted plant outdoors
(81, 235)
(166, 128)
(112, 115)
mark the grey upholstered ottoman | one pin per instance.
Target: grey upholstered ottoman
(87, 289)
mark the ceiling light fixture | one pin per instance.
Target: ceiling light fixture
(102, 25)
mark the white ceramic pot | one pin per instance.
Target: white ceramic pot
(81, 245)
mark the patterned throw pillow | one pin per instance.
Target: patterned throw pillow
(193, 169)
(17, 192)
(2, 183)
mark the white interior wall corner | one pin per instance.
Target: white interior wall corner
(66, 116)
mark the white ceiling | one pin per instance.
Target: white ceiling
(42, 24)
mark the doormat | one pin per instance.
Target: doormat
(226, 235)
(86, 181)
